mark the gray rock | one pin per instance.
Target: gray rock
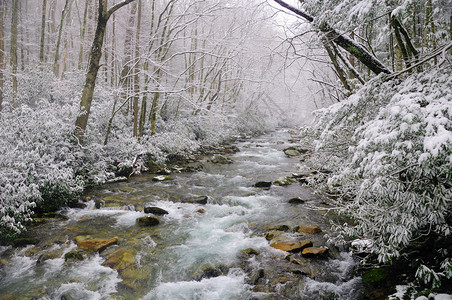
(263, 184)
(196, 200)
(155, 210)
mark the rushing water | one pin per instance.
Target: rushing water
(190, 255)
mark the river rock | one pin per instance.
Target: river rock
(263, 184)
(296, 200)
(292, 246)
(220, 159)
(155, 210)
(291, 152)
(148, 221)
(283, 181)
(97, 245)
(201, 211)
(314, 251)
(120, 259)
(278, 227)
(308, 229)
(74, 255)
(22, 242)
(250, 251)
(196, 200)
(273, 234)
(256, 276)
(162, 178)
(46, 256)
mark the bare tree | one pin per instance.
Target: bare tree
(13, 52)
(95, 55)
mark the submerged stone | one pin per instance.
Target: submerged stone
(308, 229)
(148, 221)
(273, 234)
(155, 210)
(97, 245)
(283, 181)
(292, 246)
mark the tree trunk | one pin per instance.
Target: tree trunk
(136, 81)
(13, 52)
(95, 55)
(349, 45)
(82, 35)
(60, 31)
(43, 32)
(2, 49)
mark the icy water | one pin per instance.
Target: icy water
(192, 253)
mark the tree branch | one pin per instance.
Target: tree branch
(116, 7)
(352, 47)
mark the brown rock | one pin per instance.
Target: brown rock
(314, 251)
(308, 229)
(272, 234)
(120, 259)
(278, 227)
(292, 246)
(201, 211)
(97, 245)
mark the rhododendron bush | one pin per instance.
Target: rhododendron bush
(390, 147)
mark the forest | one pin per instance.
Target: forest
(92, 91)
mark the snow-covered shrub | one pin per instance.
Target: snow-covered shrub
(394, 142)
(36, 159)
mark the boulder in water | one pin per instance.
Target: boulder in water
(196, 200)
(283, 181)
(308, 229)
(263, 184)
(73, 255)
(22, 242)
(314, 251)
(250, 251)
(220, 159)
(278, 227)
(291, 152)
(155, 210)
(296, 200)
(292, 246)
(148, 221)
(162, 178)
(201, 211)
(97, 245)
(120, 259)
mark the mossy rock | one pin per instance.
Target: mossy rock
(376, 276)
(22, 242)
(74, 255)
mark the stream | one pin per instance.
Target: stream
(198, 250)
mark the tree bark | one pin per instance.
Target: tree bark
(82, 35)
(352, 47)
(96, 53)
(2, 49)
(136, 80)
(43, 31)
(60, 31)
(13, 52)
